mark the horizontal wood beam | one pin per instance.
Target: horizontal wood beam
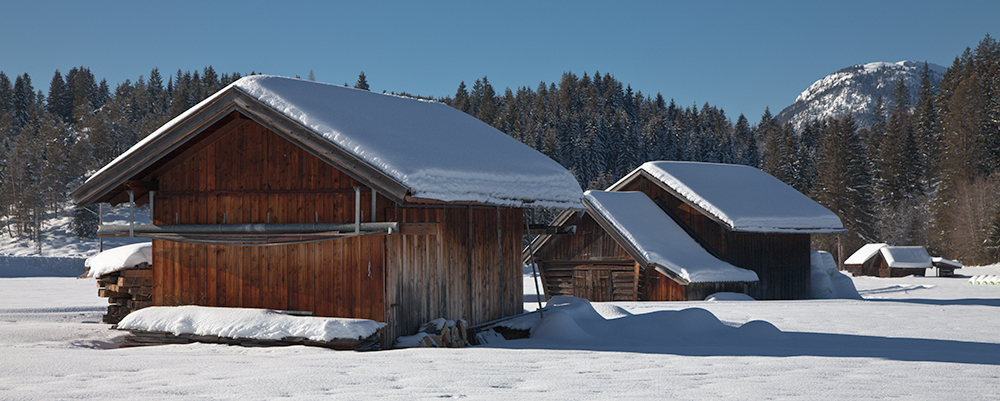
(418, 228)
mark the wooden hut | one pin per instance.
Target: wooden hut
(626, 249)
(882, 260)
(294, 195)
(738, 214)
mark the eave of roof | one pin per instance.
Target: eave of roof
(190, 123)
(641, 172)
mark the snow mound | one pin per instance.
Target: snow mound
(729, 296)
(827, 281)
(260, 324)
(119, 258)
(577, 322)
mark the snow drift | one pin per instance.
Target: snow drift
(260, 324)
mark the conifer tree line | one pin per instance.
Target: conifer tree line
(921, 173)
(49, 140)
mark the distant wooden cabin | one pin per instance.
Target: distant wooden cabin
(738, 214)
(881, 260)
(626, 249)
(294, 195)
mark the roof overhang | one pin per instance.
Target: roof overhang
(639, 173)
(139, 164)
(627, 245)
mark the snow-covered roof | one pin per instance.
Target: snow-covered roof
(906, 257)
(741, 197)
(863, 254)
(949, 262)
(115, 259)
(430, 149)
(659, 240)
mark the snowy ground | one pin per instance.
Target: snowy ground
(911, 338)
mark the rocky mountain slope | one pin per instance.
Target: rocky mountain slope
(854, 90)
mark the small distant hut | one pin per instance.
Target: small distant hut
(288, 194)
(881, 260)
(738, 214)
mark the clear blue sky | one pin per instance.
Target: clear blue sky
(741, 56)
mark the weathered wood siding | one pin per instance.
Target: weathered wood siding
(781, 261)
(577, 264)
(250, 175)
(469, 268)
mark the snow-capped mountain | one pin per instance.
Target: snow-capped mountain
(854, 90)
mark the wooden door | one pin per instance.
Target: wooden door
(593, 283)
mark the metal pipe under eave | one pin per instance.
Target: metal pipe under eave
(357, 210)
(131, 212)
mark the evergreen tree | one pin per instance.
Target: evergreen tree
(362, 82)
(843, 182)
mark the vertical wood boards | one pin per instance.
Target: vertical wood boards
(251, 175)
(780, 260)
(469, 269)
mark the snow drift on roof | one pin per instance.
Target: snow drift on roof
(906, 257)
(119, 258)
(431, 148)
(660, 240)
(863, 254)
(745, 198)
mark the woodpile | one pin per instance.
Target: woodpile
(138, 338)
(126, 290)
(441, 333)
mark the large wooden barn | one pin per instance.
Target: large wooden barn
(294, 195)
(738, 214)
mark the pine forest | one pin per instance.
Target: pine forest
(920, 174)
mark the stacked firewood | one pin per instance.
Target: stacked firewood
(444, 334)
(127, 290)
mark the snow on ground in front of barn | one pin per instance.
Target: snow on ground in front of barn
(912, 338)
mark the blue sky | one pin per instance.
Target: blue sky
(741, 56)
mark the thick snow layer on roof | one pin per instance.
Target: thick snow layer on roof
(431, 148)
(906, 257)
(119, 258)
(260, 324)
(949, 262)
(660, 240)
(745, 198)
(863, 254)
(434, 150)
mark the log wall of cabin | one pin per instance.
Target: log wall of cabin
(781, 261)
(567, 260)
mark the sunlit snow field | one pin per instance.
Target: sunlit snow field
(912, 338)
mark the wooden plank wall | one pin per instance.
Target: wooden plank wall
(463, 272)
(781, 261)
(252, 175)
(589, 245)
